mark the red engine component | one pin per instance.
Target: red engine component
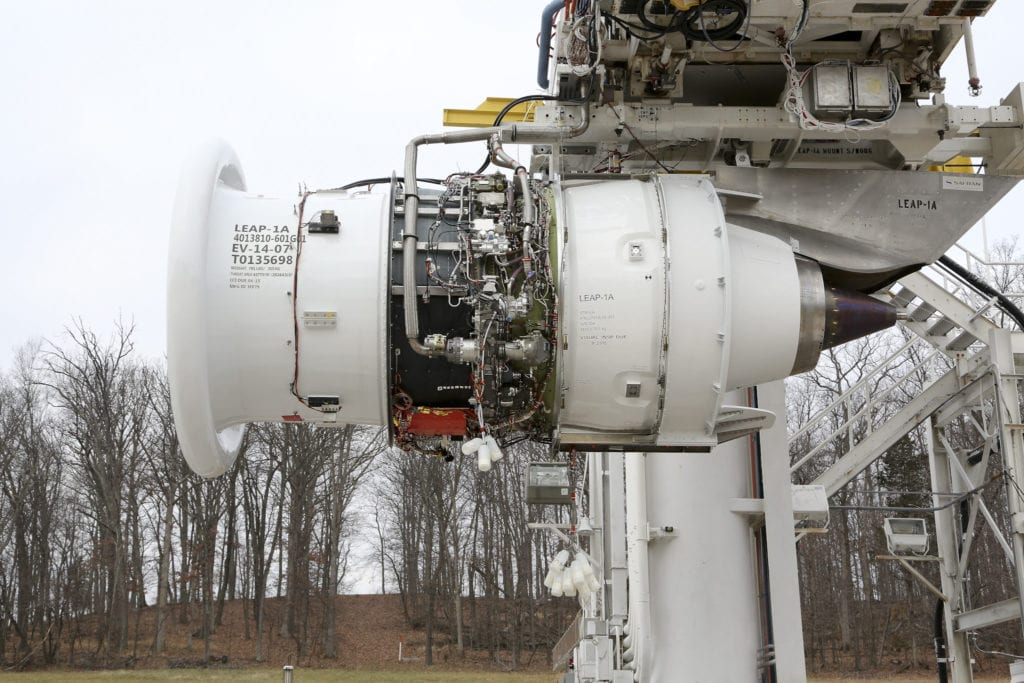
(437, 421)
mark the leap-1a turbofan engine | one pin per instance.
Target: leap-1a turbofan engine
(483, 309)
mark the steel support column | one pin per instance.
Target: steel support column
(783, 575)
(1009, 420)
(958, 655)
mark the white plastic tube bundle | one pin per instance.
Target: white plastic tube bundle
(577, 577)
(593, 583)
(579, 580)
(554, 575)
(568, 587)
(496, 453)
(486, 450)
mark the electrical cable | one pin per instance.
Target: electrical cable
(629, 130)
(632, 28)
(801, 24)
(295, 302)
(997, 653)
(381, 181)
(691, 21)
(694, 26)
(641, 13)
(982, 287)
(739, 41)
(960, 498)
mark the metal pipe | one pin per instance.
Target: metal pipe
(529, 210)
(544, 56)
(595, 484)
(510, 133)
(973, 82)
(921, 577)
(529, 216)
(409, 236)
(499, 157)
(637, 538)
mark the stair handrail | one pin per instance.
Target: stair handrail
(869, 402)
(852, 388)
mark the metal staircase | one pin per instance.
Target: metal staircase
(956, 361)
(938, 310)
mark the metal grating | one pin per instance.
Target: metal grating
(974, 8)
(940, 8)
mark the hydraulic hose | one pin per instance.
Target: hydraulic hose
(1010, 308)
(544, 57)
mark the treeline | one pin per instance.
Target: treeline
(100, 517)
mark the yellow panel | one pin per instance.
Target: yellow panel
(955, 165)
(484, 115)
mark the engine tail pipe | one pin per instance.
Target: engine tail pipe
(830, 316)
(851, 315)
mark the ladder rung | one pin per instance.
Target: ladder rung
(903, 297)
(961, 341)
(941, 327)
(921, 313)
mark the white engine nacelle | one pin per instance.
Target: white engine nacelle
(602, 314)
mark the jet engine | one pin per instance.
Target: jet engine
(482, 309)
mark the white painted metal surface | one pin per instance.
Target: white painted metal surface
(613, 280)
(640, 627)
(232, 326)
(958, 651)
(706, 567)
(783, 575)
(664, 300)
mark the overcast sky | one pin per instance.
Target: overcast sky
(100, 102)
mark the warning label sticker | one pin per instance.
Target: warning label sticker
(259, 252)
(964, 182)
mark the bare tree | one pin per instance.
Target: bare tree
(97, 388)
(259, 467)
(30, 455)
(354, 453)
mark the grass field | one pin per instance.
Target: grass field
(274, 676)
(334, 676)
